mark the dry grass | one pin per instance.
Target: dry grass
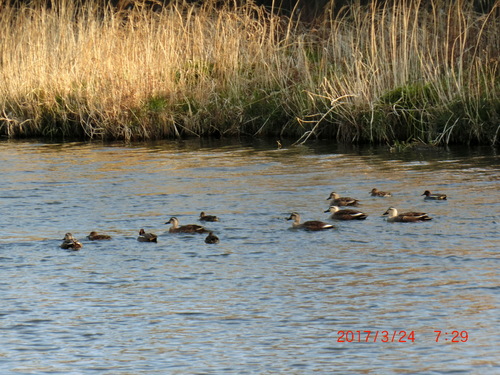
(365, 75)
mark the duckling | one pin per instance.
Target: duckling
(434, 197)
(313, 225)
(346, 214)
(204, 217)
(337, 200)
(211, 238)
(406, 217)
(377, 193)
(189, 228)
(94, 236)
(70, 243)
(147, 237)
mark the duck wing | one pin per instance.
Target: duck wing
(351, 214)
(412, 213)
(192, 228)
(414, 217)
(316, 225)
(346, 201)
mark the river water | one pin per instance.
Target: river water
(364, 298)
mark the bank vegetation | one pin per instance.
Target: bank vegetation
(426, 71)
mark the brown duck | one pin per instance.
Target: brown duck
(377, 193)
(70, 243)
(434, 197)
(211, 238)
(94, 236)
(204, 217)
(313, 225)
(147, 237)
(337, 200)
(346, 214)
(189, 228)
(406, 217)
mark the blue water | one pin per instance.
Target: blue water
(266, 299)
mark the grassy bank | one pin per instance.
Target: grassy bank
(363, 75)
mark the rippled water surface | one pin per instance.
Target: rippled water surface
(266, 299)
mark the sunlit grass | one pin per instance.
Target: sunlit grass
(362, 75)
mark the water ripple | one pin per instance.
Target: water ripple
(266, 299)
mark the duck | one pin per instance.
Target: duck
(70, 243)
(211, 238)
(204, 217)
(189, 228)
(94, 236)
(434, 197)
(346, 214)
(377, 193)
(337, 200)
(406, 217)
(313, 225)
(146, 237)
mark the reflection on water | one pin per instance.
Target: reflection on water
(267, 299)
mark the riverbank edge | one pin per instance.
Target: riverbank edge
(383, 124)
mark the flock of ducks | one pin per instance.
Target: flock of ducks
(336, 201)
(71, 243)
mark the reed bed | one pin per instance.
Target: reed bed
(364, 74)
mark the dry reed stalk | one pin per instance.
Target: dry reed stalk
(409, 64)
(98, 73)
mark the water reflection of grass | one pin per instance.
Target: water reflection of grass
(364, 75)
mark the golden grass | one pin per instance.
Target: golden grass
(365, 74)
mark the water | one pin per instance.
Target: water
(267, 299)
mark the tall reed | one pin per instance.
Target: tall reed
(415, 70)
(366, 74)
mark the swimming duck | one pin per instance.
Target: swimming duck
(147, 237)
(211, 238)
(406, 217)
(346, 214)
(434, 197)
(204, 217)
(308, 225)
(189, 228)
(337, 200)
(70, 242)
(377, 193)
(94, 236)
